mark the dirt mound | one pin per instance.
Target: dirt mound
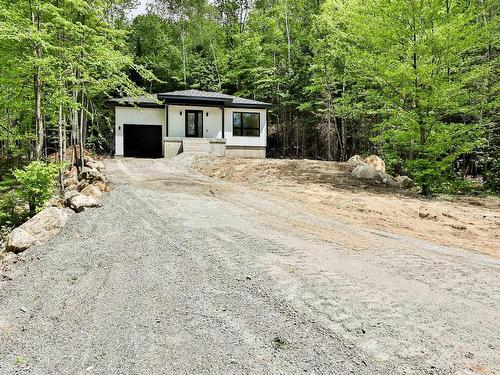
(328, 188)
(301, 171)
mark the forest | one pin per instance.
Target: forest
(413, 81)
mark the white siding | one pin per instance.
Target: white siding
(212, 124)
(137, 116)
(260, 141)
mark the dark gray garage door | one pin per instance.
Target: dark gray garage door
(142, 141)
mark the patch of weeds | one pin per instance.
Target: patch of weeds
(278, 343)
(20, 360)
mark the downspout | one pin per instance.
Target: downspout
(166, 120)
(223, 120)
(267, 125)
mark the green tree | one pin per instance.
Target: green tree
(36, 183)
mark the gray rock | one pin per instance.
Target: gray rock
(355, 160)
(37, 230)
(366, 172)
(80, 202)
(388, 180)
(405, 182)
(376, 163)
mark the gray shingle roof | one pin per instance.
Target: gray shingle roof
(194, 94)
(212, 95)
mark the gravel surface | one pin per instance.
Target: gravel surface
(180, 273)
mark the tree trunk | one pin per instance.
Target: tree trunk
(288, 37)
(80, 128)
(297, 137)
(37, 87)
(74, 133)
(61, 150)
(184, 56)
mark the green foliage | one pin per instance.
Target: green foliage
(421, 74)
(36, 183)
(414, 82)
(11, 210)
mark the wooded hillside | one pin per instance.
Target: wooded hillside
(415, 82)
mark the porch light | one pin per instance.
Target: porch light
(207, 114)
(180, 113)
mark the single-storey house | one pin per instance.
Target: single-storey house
(190, 121)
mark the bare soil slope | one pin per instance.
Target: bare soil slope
(328, 188)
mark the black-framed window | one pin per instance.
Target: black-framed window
(246, 124)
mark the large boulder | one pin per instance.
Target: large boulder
(92, 191)
(80, 202)
(405, 182)
(19, 240)
(56, 202)
(355, 160)
(96, 165)
(68, 195)
(101, 186)
(82, 185)
(376, 163)
(92, 174)
(388, 180)
(37, 230)
(365, 171)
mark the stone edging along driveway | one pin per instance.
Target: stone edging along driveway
(81, 192)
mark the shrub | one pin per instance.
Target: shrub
(36, 183)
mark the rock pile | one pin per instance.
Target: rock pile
(81, 192)
(85, 190)
(372, 169)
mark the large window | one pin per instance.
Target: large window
(246, 124)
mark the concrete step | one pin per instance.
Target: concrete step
(196, 145)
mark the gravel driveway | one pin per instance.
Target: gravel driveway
(179, 273)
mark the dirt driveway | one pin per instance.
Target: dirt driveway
(181, 273)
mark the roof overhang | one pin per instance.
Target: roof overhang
(257, 106)
(198, 100)
(209, 102)
(201, 101)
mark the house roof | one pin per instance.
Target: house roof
(211, 95)
(192, 97)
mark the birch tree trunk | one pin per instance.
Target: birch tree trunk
(184, 56)
(37, 87)
(61, 150)
(80, 127)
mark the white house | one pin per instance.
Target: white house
(167, 124)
